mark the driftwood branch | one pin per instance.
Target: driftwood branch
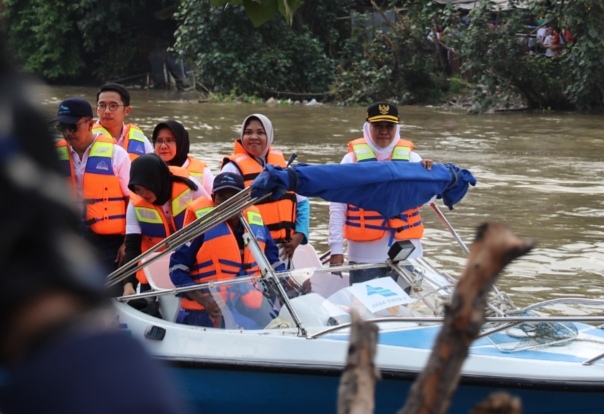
(498, 403)
(357, 385)
(495, 246)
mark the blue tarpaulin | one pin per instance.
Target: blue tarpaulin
(383, 186)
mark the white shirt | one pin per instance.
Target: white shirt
(375, 251)
(541, 33)
(132, 224)
(208, 178)
(549, 40)
(120, 161)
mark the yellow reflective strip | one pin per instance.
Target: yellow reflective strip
(101, 149)
(363, 152)
(136, 134)
(200, 212)
(63, 153)
(180, 203)
(148, 215)
(254, 218)
(401, 153)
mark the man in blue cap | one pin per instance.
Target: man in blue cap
(56, 354)
(195, 261)
(97, 171)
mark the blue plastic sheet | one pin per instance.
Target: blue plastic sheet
(384, 186)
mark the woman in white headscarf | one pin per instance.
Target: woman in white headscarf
(369, 234)
(287, 218)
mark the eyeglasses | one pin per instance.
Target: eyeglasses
(160, 142)
(63, 127)
(112, 106)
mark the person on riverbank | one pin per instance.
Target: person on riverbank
(552, 43)
(159, 197)
(197, 262)
(287, 218)
(369, 234)
(58, 353)
(112, 108)
(171, 142)
(97, 171)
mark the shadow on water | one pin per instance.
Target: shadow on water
(538, 172)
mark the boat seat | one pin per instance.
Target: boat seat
(158, 276)
(325, 284)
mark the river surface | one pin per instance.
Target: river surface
(539, 173)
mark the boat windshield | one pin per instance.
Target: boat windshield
(256, 303)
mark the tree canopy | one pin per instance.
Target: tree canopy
(349, 51)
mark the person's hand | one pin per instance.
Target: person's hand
(303, 288)
(336, 260)
(210, 305)
(427, 164)
(288, 248)
(129, 289)
(121, 255)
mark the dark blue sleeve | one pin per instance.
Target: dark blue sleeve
(182, 260)
(101, 373)
(271, 251)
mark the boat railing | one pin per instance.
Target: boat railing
(513, 320)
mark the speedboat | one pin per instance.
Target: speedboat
(294, 362)
(288, 356)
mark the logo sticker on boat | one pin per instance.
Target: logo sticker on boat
(379, 294)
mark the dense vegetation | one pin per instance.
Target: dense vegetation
(323, 49)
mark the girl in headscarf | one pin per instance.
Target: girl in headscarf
(287, 218)
(152, 214)
(171, 143)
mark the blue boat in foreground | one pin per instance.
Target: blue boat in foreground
(293, 364)
(291, 361)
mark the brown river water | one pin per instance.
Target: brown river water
(540, 173)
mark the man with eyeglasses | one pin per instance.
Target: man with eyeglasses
(113, 105)
(98, 171)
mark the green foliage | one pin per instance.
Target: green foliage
(230, 54)
(47, 45)
(399, 63)
(583, 64)
(86, 40)
(262, 11)
(500, 65)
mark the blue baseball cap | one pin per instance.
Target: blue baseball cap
(228, 180)
(71, 110)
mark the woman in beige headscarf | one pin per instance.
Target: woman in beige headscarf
(287, 218)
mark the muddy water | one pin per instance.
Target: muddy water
(539, 173)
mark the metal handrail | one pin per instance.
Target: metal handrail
(204, 223)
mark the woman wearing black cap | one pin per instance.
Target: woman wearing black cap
(159, 197)
(171, 143)
(370, 235)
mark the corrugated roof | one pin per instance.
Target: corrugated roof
(470, 4)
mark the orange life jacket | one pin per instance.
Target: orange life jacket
(154, 224)
(102, 196)
(279, 216)
(219, 257)
(195, 169)
(364, 225)
(134, 139)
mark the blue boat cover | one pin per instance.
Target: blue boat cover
(384, 186)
